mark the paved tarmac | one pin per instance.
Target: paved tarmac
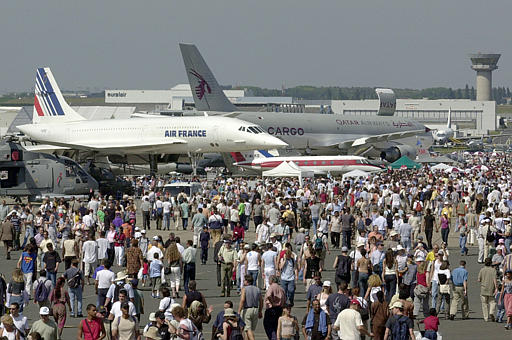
(474, 328)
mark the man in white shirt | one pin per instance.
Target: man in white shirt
(154, 249)
(104, 279)
(115, 311)
(103, 246)
(20, 321)
(90, 256)
(381, 223)
(349, 323)
(269, 264)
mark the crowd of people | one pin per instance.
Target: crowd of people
(365, 252)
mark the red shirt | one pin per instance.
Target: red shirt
(431, 323)
(91, 329)
(119, 240)
(421, 279)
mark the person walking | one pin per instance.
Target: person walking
(288, 270)
(379, 311)
(89, 256)
(250, 306)
(316, 325)
(125, 326)
(7, 236)
(27, 264)
(287, 324)
(75, 282)
(16, 288)
(506, 297)
(46, 328)
(198, 222)
(228, 258)
(189, 264)
(274, 301)
(173, 257)
(92, 327)
(460, 292)
(51, 260)
(349, 323)
(488, 290)
(463, 230)
(390, 274)
(59, 297)
(134, 259)
(398, 325)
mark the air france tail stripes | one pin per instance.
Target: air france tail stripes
(46, 95)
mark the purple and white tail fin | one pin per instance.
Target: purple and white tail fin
(49, 104)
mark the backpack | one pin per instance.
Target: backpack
(400, 328)
(344, 263)
(118, 287)
(319, 244)
(42, 292)
(74, 281)
(236, 333)
(490, 235)
(418, 207)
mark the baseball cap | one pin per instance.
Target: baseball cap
(344, 249)
(155, 238)
(44, 311)
(355, 302)
(152, 317)
(137, 228)
(143, 231)
(327, 283)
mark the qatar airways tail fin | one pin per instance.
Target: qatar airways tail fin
(208, 95)
(49, 104)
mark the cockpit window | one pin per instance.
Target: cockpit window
(253, 129)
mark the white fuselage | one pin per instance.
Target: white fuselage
(317, 164)
(443, 136)
(156, 136)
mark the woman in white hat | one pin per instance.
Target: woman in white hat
(324, 294)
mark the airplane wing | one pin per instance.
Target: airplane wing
(44, 148)
(143, 146)
(379, 138)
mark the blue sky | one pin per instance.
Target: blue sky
(134, 44)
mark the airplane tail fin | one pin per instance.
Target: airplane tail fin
(49, 104)
(449, 124)
(208, 95)
(240, 157)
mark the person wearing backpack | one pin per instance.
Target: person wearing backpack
(75, 282)
(231, 326)
(343, 266)
(399, 326)
(42, 289)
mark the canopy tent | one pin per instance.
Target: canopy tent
(452, 169)
(441, 166)
(404, 162)
(355, 174)
(288, 169)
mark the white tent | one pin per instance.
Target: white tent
(451, 169)
(288, 169)
(441, 166)
(355, 174)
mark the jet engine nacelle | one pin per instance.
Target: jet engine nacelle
(393, 153)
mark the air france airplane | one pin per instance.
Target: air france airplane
(55, 123)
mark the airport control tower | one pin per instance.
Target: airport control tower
(484, 64)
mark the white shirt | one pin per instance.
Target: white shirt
(90, 251)
(165, 305)
(348, 321)
(252, 260)
(21, 322)
(103, 245)
(105, 278)
(127, 287)
(167, 207)
(116, 309)
(269, 258)
(153, 250)
(181, 249)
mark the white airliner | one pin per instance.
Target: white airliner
(442, 136)
(56, 123)
(262, 160)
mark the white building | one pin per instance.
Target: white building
(473, 117)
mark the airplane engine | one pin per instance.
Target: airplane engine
(394, 152)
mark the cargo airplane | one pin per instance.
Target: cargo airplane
(56, 124)
(387, 137)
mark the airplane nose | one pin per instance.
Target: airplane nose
(276, 142)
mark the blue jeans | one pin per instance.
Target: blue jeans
(52, 276)
(390, 281)
(167, 221)
(362, 283)
(185, 223)
(254, 274)
(75, 294)
(444, 235)
(315, 223)
(346, 235)
(435, 291)
(508, 242)
(29, 232)
(462, 244)
(406, 243)
(289, 289)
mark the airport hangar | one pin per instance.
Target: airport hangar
(471, 118)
